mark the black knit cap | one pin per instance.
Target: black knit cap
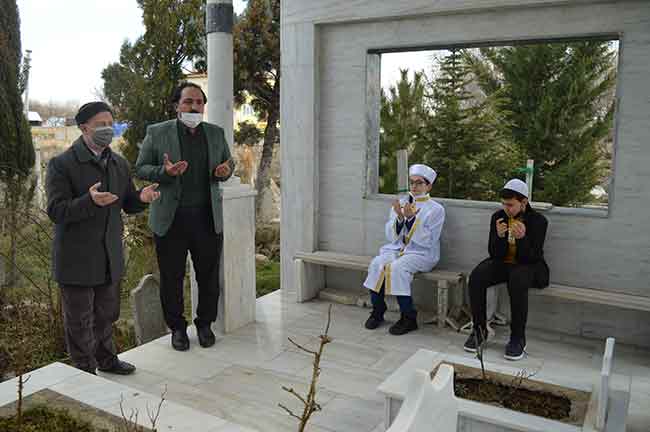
(87, 111)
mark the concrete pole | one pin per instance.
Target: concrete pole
(28, 60)
(402, 171)
(219, 21)
(237, 271)
(530, 166)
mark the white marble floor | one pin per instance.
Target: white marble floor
(240, 378)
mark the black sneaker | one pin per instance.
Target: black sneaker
(404, 325)
(515, 349)
(474, 340)
(374, 320)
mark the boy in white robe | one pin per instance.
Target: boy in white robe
(413, 234)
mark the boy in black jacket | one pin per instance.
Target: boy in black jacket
(516, 248)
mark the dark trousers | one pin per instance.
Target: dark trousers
(88, 317)
(519, 279)
(379, 304)
(193, 231)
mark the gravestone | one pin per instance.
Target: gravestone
(149, 321)
(603, 394)
(428, 403)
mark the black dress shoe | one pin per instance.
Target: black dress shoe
(404, 325)
(180, 341)
(206, 337)
(374, 321)
(119, 367)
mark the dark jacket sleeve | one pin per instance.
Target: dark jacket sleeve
(530, 248)
(62, 206)
(497, 246)
(132, 203)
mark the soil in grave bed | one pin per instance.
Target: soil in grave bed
(43, 419)
(523, 395)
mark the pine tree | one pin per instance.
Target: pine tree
(403, 114)
(561, 109)
(465, 140)
(16, 147)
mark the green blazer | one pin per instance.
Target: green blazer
(162, 138)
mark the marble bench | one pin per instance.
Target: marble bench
(498, 300)
(309, 279)
(571, 293)
(609, 298)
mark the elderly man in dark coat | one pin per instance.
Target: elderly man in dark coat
(88, 186)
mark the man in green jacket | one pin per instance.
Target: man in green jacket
(187, 158)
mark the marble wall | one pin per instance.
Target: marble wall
(327, 195)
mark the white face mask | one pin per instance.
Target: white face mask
(191, 120)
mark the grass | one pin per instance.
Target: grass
(268, 277)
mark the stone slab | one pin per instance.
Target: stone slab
(149, 321)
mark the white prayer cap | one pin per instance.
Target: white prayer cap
(517, 186)
(423, 171)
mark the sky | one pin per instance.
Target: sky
(414, 61)
(72, 41)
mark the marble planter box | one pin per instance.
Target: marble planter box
(100, 394)
(476, 416)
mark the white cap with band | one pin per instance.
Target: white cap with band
(517, 185)
(423, 171)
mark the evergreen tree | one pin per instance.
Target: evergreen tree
(16, 147)
(466, 138)
(256, 56)
(247, 134)
(561, 109)
(140, 85)
(403, 114)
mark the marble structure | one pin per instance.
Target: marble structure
(331, 53)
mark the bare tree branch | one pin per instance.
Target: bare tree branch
(289, 411)
(309, 402)
(153, 417)
(302, 348)
(293, 392)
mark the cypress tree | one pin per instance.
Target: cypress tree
(16, 148)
